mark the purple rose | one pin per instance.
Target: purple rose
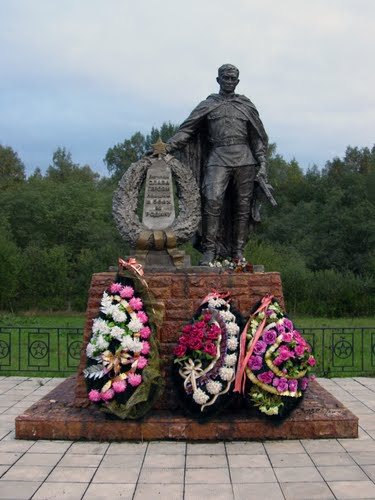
(260, 347)
(311, 361)
(287, 337)
(269, 337)
(282, 386)
(299, 350)
(278, 361)
(284, 353)
(280, 329)
(275, 381)
(255, 363)
(304, 383)
(269, 312)
(293, 385)
(288, 324)
(266, 377)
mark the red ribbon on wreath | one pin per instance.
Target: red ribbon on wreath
(133, 265)
(239, 385)
(215, 294)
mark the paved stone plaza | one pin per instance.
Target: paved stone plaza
(299, 469)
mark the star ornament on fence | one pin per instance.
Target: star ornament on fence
(38, 349)
(343, 349)
(4, 349)
(75, 349)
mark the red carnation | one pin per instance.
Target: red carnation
(180, 350)
(210, 349)
(195, 343)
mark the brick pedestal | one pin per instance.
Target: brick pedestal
(179, 294)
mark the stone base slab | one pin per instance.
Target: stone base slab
(55, 416)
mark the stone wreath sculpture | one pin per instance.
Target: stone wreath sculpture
(125, 203)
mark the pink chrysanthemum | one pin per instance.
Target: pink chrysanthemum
(119, 386)
(142, 316)
(136, 303)
(135, 379)
(127, 292)
(108, 395)
(142, 362)
(115, 287)
(145, 332)
(94, 396)
(145, 347)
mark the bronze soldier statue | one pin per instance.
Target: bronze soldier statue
(225, 144)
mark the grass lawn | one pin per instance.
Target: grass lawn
(63, 319)
(59, 319)
(344, 322)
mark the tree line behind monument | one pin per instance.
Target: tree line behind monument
(57, 229)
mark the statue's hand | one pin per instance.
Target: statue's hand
(262, 174)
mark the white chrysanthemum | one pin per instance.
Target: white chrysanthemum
(233, 328)
(216, 303)
(107, 310)
(226, 373)
(135, 325)
(213, 387)
(101, 343)
(117, 332)
(137, 345)
(227, 316)
(230, 359)
(90, 349)
(232, 343)
(131, 344)
(200, 397)
(106, 300)
(127, 342)
(100, 325)
(118, 315)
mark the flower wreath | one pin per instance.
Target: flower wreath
(122, 371)
(276, 360)
(205, 357)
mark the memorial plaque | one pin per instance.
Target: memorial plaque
(158, 207)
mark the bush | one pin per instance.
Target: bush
(322, 293)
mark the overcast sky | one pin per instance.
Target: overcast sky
(86, 74)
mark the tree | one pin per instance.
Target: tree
(10, 266)
(119, 158)
(12, 170)
(63, 169)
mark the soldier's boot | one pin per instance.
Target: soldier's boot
(210, 227)
(240, 239)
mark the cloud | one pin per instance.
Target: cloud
(86, 74)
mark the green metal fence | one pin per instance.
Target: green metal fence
(39, 351)
(56, 351)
